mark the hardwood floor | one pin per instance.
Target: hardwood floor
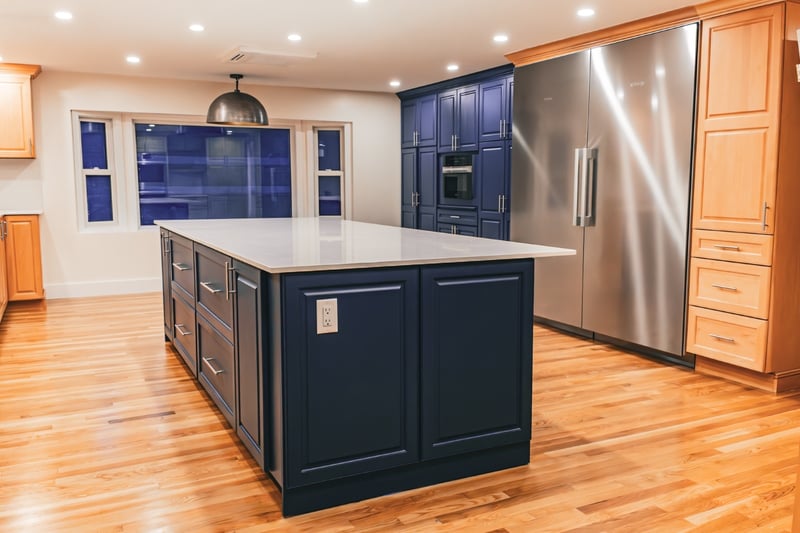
(101, 428)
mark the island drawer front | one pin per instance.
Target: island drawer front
(734, 339)
(732, 287)
(214, 291)
(738, 247)
(182, 264)
(216, 367)
(184, 332)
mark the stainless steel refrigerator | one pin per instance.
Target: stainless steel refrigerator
(601, 162)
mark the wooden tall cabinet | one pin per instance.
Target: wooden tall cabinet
(16, 110)
(3, 288)
(23, 257)
(744, 289)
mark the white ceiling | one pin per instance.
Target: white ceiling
(357, 46)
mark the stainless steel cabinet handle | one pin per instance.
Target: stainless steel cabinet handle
(229, 281)
(764, 218)
(499, 203)
(209, 362)
(721, 337)
(503, 196)
(455, 142)
(180, 328)
(181, 266)
(502, 128)
(455, 216)
(724, 287)
(416, 199)
(209, 287)
(576, 187)
(727, 247)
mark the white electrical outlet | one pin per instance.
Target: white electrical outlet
(327, 316)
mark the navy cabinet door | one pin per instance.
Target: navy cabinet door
(493, 109)
(408, 178)
(428, 169)
(493, 174)
(467, 113)
(447, 120)
(250, 340)
(351, 396)
(476, 365)
(408, 123)
(426, 120)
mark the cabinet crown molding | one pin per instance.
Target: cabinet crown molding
(19, 68)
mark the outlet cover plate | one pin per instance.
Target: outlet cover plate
(327, 316)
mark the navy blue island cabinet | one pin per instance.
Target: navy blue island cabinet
(355, 376)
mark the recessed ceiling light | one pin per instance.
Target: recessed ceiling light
(197, 27)
(133, 59)
(294, 37)
(452, 67)
(1, 58)
(395, 83)
(586, 12)
(63, 15)
(500, 38)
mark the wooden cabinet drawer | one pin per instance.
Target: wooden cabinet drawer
(213, 288)
(731, 287)
(183, 334)
(734, 339)
(215, 367)
(729, 246)
(182, 266)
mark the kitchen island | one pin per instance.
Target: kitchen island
(355, 359)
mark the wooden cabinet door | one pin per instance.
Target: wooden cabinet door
(3, 287)
(737, 121)
(16, 111)
(23, 258)
(476, 364)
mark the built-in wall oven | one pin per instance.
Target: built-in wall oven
(457, 180)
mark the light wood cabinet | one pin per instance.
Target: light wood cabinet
(23, 257)
(16, 110)
(3, 288)
(746, 209)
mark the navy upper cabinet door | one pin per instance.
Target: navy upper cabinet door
(418, 121)
(467, 114)
(351, 396)
(476, 356)
(447, 120)
(428, 159)
(493, 108)
(492, 163)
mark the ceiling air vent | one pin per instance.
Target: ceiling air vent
(243, 54)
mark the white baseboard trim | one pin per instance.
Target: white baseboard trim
(101, 288)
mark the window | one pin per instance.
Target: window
(329, 172)
(97, 176)
(187, 171)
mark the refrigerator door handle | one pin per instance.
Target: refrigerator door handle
(577, 187)
(590, 176)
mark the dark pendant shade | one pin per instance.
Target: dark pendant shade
(237, 108)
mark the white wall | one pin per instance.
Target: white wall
(83, 264)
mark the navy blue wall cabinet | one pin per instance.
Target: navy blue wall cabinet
(418, 122)
(351, 396)
(419, 171)
(476, 366)
(493, 162)
(495, 109)
(458, 119)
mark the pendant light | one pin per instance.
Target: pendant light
(237, 108)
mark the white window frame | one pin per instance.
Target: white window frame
(115, 160)
(345, 158)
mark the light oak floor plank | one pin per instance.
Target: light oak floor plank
(102, 429)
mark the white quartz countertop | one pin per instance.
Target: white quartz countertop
(281, 245)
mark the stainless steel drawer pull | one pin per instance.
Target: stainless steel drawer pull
(727, 247)
(210, 288)
(455, 216)
(228, 282)
(209, 362)
(181, 266)
(721, 337)
(180, 328)
(724, 287)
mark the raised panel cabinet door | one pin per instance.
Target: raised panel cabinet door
(16, 111)
(426, 120)
(467, 118)
(216, 369)
(23, 258)
(477, 322)
(428, 177)
(737, 125)
(447, 107)
(250, 342)
(408, 124)
(213, 291)
(166, 273)
(3, 288)
(409, 187)
(492, 110)
(351, 395)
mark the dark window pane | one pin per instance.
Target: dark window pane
(93, 145)
(190, 172)
(328, 150)
(330, 195)
(98, 198)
